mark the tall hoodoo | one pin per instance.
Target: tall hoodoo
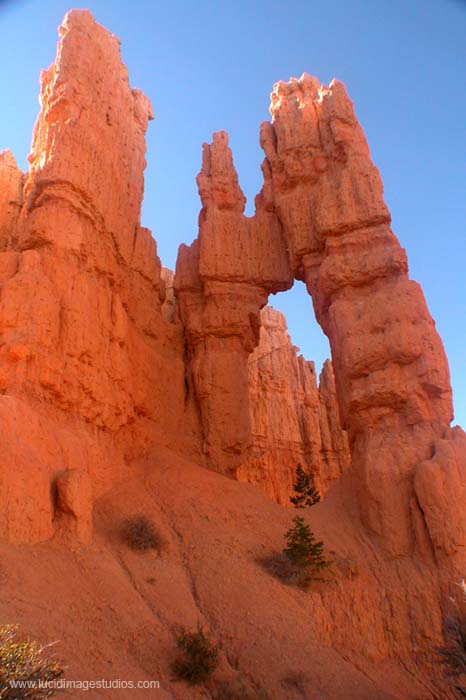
(80, 291)
(321, 215)
(222, 281)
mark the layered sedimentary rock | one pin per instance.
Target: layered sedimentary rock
(81, 324)
(320, 218)
(293, 419)
(167, 294)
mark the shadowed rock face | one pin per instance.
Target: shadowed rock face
(293, 419)
(106, 360)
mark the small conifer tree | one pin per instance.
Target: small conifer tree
(303, 549)
(306, 494)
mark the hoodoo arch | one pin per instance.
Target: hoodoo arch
(320, 218)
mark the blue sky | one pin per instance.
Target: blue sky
(210, 65)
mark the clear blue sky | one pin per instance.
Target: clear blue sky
(209, 65)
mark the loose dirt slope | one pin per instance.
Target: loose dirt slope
(114, 611)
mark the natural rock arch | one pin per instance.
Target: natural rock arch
(320, 218)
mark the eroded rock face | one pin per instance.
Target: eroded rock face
(391, 371)
(82, 329)
(293, 419)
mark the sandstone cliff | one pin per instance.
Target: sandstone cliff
(293, 420)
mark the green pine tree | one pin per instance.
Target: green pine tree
(306, 494)
(303, 549)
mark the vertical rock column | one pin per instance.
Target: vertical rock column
(391, 372)
(221, 283)
(79, 288)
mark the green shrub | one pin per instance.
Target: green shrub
(139, 534)
(26, 662)
(306, 493)
(198, 656)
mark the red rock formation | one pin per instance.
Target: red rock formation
(221, 283)
(334, 440)
(293, 421)
(80, 289)
(167, 294)
(327, 220)
(391, 372)
(97, 374)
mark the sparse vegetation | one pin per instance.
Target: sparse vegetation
(198, 657)
(25, 661)
(281, 568)
(139, 534)
(306, 494)
(453, 653)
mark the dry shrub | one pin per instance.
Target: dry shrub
(298, 682)
(27, 662)
(453, 653)
(287, 571)
(139, 534)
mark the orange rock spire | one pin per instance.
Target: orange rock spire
(81, 294)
